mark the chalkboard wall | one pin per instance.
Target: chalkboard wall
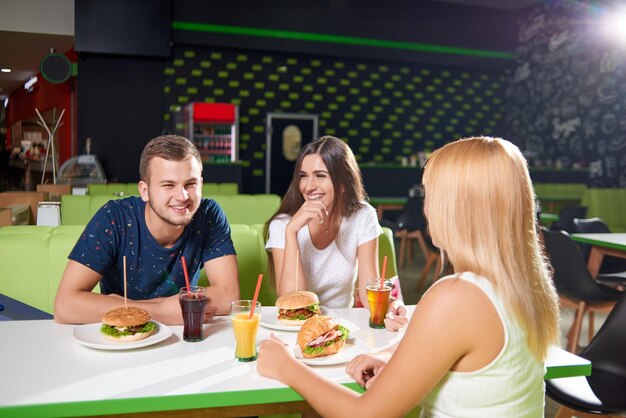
(566, 105)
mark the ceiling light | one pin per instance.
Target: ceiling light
(615, 24)
(5, 70)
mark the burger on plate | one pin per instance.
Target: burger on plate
(321, 336)
(295, 308)
(127, 324)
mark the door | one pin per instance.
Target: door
(286, 134)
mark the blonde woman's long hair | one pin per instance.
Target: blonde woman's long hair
(480, 206)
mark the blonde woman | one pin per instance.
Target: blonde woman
(476, 343)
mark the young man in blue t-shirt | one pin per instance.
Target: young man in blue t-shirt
(170, 220)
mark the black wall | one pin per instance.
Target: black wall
(125, 100)
(120, 101)
(567, 101)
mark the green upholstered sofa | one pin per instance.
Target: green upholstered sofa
(239, 208)
(130, 189)
(33, 258)
(607, 204)
(554, 196)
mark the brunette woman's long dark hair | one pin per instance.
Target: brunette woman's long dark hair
(345, 175)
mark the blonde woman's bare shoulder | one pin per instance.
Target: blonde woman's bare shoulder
(453, 297)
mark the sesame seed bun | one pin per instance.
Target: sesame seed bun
(126, 317)
(297, 300)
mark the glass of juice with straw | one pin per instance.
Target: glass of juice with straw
(378, 292)
(245, 316)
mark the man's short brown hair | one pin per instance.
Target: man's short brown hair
(168, 147)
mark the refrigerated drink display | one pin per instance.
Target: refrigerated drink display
(214, 130)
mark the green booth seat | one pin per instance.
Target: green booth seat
(607, 204)
(75, 210)
(112, 189)
(210, 189)
(32, 263)
(96, 202)
(554, 196)
(97, 189)
(386, 247)
(24, 267)
(251, 262)
(25, 229)
(228, 188)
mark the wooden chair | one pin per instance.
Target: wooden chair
(432, 257)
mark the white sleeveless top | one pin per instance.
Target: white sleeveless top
(511, 385)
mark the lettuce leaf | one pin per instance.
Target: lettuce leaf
(314, 350)
(114, 332)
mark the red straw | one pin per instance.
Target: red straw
(184, 263)
(256, 295)
(382, 275)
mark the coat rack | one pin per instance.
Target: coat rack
(43, 124)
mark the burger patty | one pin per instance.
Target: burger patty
(292, 313)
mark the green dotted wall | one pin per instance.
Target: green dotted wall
(383, 110)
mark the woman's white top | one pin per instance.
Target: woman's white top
(331, 272)
(511, 385)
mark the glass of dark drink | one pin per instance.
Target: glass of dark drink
(193, 303)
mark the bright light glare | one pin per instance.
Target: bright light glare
(615, 25)
(5, 70)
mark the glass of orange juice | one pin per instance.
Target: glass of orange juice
(245, 328)
(378, 299)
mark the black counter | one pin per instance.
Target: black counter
(387, 180)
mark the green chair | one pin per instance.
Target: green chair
(97, 189)
(25, 229)
(24, 266)
(228, 188)
(210, 189)
(74, 210)
(116, 189)
(242, 210)
(96, 202)
(61, 244)
(68, 229)
(386, 247)
(239, 227)
(260, 228)
(132, 189)
(266, 206)
(250, 264)
(225, 204)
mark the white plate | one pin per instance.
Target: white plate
(89, 335)
(350, 350)
(269, 319)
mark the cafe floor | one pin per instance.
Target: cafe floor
(409, 276)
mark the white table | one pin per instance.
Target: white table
(613, 244)
(46, 373)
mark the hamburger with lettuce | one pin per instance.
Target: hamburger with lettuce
(295, 308)
(127, 324)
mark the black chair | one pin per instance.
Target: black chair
(613, 270)
(566, 218)
(604, 392)
(574, 284)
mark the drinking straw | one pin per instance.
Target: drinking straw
(256, 295)
(297, 262)
(382, 274)
(125, 302)
(184, 263)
